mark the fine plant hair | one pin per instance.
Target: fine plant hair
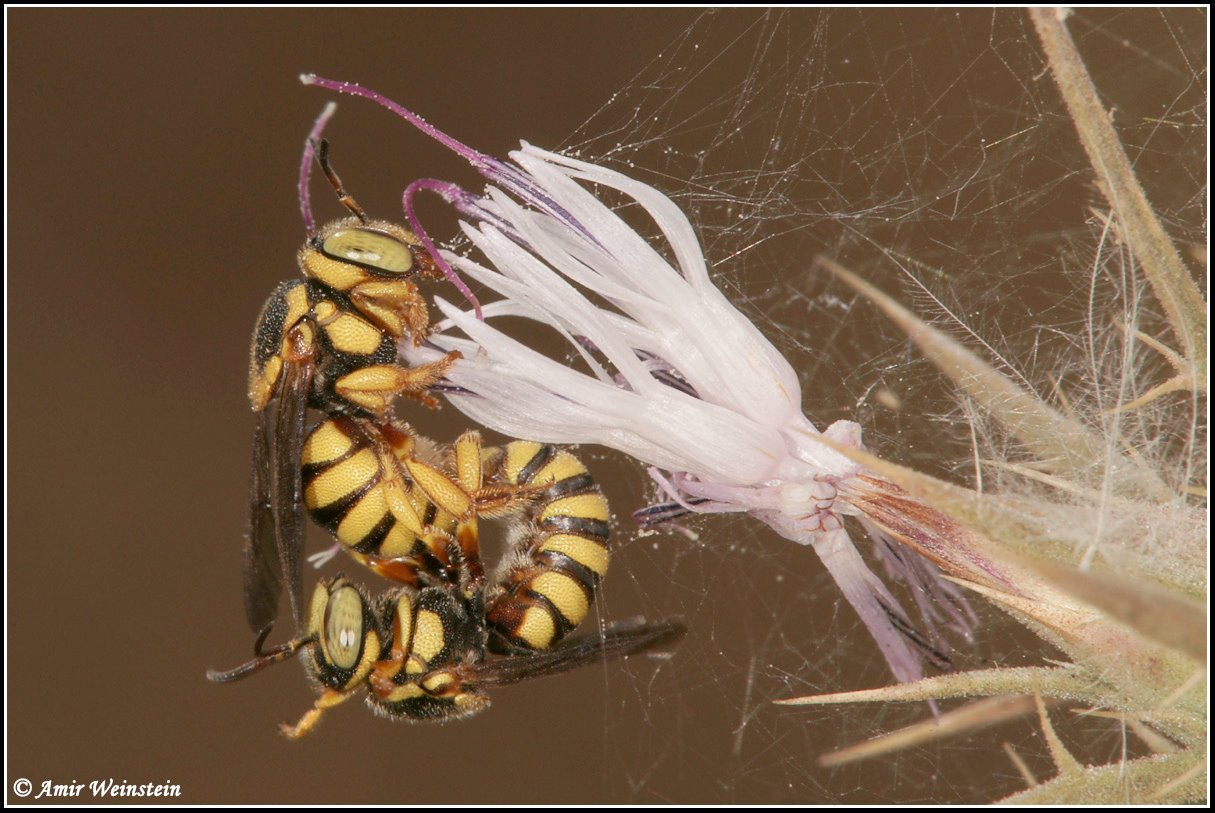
(1089, 460)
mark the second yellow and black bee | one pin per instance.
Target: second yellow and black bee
(422, 654)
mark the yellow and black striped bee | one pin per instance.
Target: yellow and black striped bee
(422, 654)
(429, 650)
(329, 342)
(402, 505)
(375, 506)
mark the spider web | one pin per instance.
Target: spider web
(930, 152)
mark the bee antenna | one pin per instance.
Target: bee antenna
(263, 659)
(321, 148)
(306, 166)
(261, 639)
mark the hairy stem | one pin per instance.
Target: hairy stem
(1157, 256)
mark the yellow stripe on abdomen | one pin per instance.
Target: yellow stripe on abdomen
(342, 479)
(362, 518)
(564, 551)
(518, 455)
(581, 506)
(565, 593)
(587, 552)
(326, 443)
(562, 467)
(536, 628)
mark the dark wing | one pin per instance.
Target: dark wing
(262, 580)
(274, 546)
(619, 640)
(289, 489)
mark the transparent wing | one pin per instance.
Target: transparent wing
(275, 541)
(617, 641)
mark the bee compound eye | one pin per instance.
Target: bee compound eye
(344, 627)
(370, 249)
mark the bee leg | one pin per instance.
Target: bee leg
(433, 486)
(381, 678)
(400, 505)
(375, 386)
(459, 553)
(425, 376)
(415, 493)
(395, 306)
(459, 497)
(447, 494)
(468, 541)
(402, 569)
(469, 461)
(490, 500)
(441, 683)
(327, 700)
(457, 700)
(501, 500)
(448, 684)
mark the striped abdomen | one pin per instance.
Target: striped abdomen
(548, 588)
(356, 488)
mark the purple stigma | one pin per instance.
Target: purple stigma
(490, 168)
(482, 162)
(451, 193)
(306, 166)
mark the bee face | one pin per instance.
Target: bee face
(348, 253)
(341, 637)
(376, 249)
(346, 642)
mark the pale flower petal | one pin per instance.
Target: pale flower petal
(679, 378)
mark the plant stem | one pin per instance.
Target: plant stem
(1162, 265)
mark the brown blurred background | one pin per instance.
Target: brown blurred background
(152, 161)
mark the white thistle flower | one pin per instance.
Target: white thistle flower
(690, 386)
(739, 429)
(687, 384)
